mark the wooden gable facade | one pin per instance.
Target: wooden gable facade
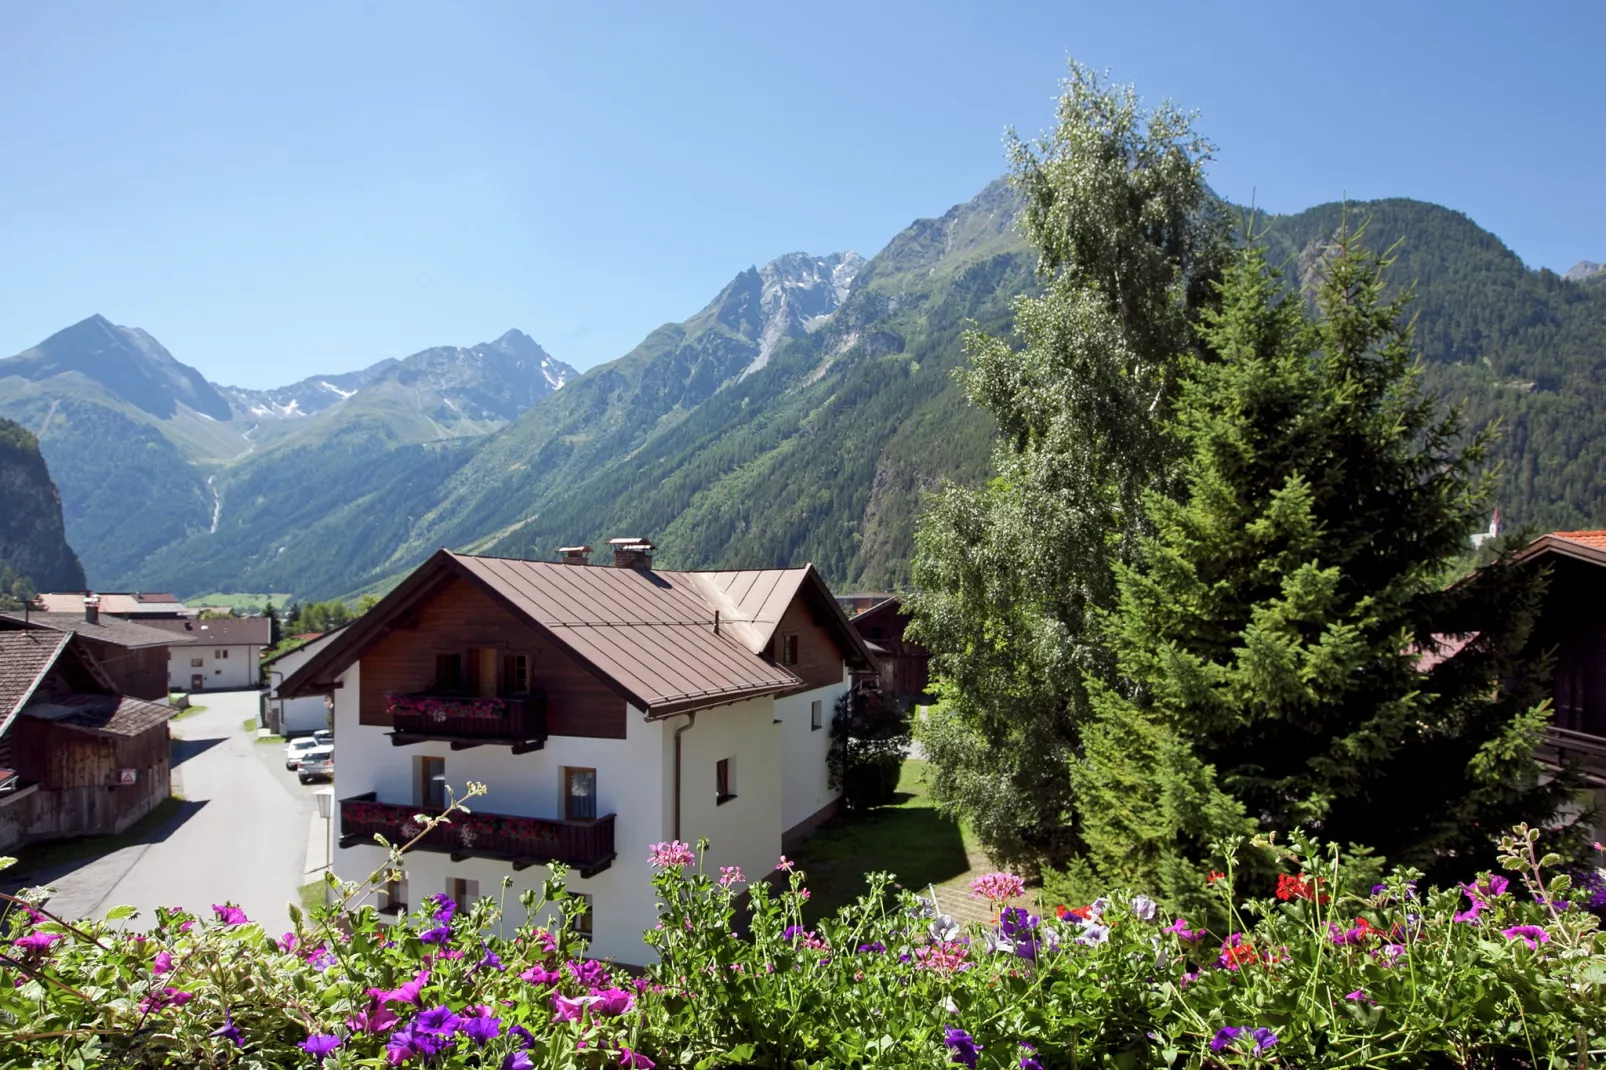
(460, 621)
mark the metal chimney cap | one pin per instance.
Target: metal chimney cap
(574, 549)
(632, 541)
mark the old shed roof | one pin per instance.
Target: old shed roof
(1583, 545)
(223, 631)
(111, 630)
(649, 633)
(106, 715)
(25, 656)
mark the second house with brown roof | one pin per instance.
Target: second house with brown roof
(606, 708)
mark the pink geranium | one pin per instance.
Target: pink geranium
(997, 887)
(671, 853)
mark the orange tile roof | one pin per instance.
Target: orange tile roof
(1595, 539)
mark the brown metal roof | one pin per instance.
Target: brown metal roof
(649, 632)
(105, 715)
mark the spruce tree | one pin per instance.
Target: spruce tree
(1292, 650)
(1129, 237)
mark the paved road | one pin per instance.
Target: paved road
(241, 834)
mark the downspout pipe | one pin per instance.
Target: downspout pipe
(691, 719)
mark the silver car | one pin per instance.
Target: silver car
(316, 763)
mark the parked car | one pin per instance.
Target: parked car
(323, 735)
(297, 747)
(318, 762)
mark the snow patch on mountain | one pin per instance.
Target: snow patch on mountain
(799, 294)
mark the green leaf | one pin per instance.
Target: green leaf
(119, 913)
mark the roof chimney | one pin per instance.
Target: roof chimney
(632, 552)
(575, 555)
(92, 608)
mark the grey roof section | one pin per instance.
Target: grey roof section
(111, 630)
(221, 631)
(102, 715)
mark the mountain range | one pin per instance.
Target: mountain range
(798, 416)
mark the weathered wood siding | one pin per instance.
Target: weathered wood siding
(140, 673)
(461, 617)
(77, 773)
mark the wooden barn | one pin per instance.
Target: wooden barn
(902, 669)
(76, 757)
(134, 657)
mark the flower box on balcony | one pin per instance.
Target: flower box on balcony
(523, 841)
(466, 721)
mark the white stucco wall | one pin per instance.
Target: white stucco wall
(746, 830)
(299, 715)
(805, 778)
(240, 668)
(635, 782)
(629, 785)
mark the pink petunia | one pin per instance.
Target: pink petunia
(1532, 935)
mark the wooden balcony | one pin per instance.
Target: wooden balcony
(1588, 750)
(464, 721)
(587, 846)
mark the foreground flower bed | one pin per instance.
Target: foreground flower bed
(1316, 974)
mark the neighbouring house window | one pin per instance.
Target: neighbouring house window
(724, 780)
(580, 907)
(395, 897)
(463, 892)
(789, 648)
(225, 652)
(579, 794)
(516, 674)
(815, 715)
(448, 672)
(196, 663)
(431, 782)
(482, 663)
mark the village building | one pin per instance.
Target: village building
(606, 708)
(298, 716)
(902, 665)
(133, 656)
(128, 605)
(223, 653)
(76, 757)
(1572, 624)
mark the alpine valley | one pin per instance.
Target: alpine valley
(797, 417)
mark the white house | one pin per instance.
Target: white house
(301, 715)
(606, 709)
(223, 652)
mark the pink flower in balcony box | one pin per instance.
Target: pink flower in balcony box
(997, 887)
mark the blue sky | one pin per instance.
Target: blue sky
(281, 190)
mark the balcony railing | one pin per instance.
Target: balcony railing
(463, 721)
(524, 841)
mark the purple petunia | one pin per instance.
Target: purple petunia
(587, 972)
(407, 993)
(517, 1060)
(229, 914)
(634, 1060)
(38, 942)
(1264, 1038)
(1029, 1059)
(229, 1031)
(438, 935)
(1360, 996)
(962, 1047)
(320, 1044)
(1532, 935)
(540, 975)
(443, 906)
(479, 1026)
(1224, 1036)
(411, 1041)
(491, 961)
(437, 1020)
(1183, 933)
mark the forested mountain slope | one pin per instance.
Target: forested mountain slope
(33, 539)
(1526, 348)
(795, 418)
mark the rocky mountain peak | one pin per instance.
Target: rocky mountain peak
(1582, 270)
(130, 364)
(799, 292)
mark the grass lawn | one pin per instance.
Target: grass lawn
(270, 739)
(187, 711)
(908, 838)
(41, 856)
(312, 895)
